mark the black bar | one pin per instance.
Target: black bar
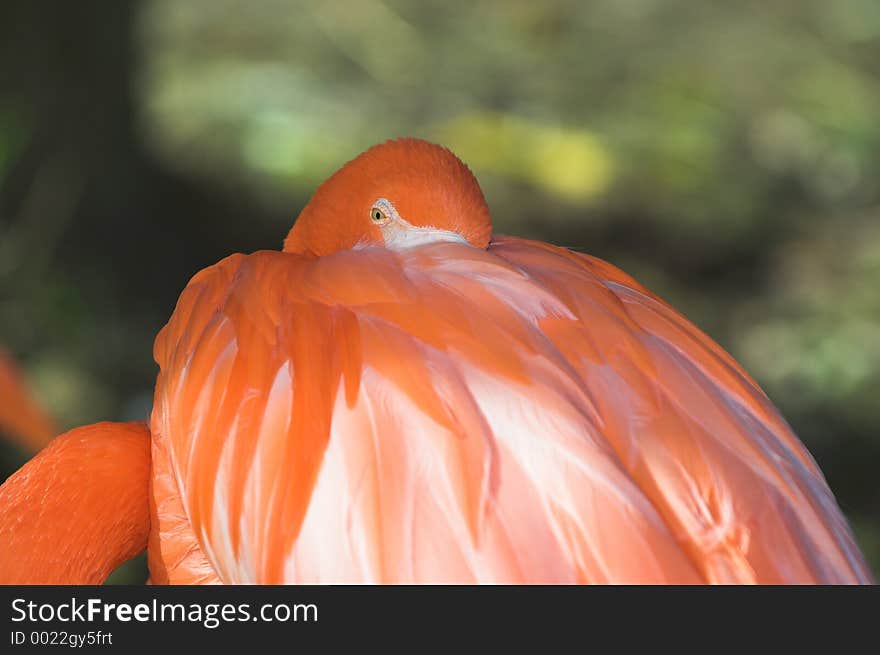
(376, 616)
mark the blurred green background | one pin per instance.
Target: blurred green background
(726, 154)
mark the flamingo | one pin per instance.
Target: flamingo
(21, 416)
(402, 396)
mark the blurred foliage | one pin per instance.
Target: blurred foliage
(727, 154)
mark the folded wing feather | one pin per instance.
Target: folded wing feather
(447, 414)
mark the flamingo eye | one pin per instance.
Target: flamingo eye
(379, 214)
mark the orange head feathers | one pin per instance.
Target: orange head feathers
(398, 193)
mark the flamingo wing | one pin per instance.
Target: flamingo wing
(449, 414)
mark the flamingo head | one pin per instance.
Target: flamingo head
(399, 194)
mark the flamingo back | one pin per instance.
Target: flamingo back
(441, 414)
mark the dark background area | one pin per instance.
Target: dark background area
(727, 156)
